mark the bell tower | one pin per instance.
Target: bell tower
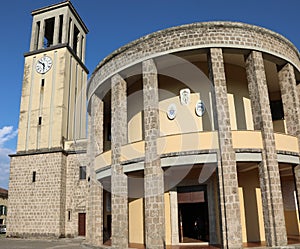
(52, 116)
(53, 98)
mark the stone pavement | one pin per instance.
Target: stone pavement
(9, 243)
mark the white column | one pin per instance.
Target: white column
(41, 35)
(56, 30)
(71, 33)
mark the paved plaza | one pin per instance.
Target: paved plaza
(6, 243)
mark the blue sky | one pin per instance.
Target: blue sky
(113, 24)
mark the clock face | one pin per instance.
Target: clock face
(43, 65)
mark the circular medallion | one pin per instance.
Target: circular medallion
(172, 110)
(200, 108)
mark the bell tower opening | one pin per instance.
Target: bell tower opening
(49, 32)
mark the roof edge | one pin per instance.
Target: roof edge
(187, 26)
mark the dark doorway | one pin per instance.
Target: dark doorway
(193, 215)
(81, 224)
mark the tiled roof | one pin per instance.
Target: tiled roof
(3, 193)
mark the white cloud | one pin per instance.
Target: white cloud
(6, 133)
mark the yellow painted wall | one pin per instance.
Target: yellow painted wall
(286, 142)
(243, 217)
(290, 205)
(247, 139)
(260, 214)
(136, 221)
(168, 218)
(135, 107)
(291, 222)
(232, 113)
(186, 119)
(238, 98)
(251, 206)
(199, 141)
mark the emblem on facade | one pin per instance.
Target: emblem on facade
(185, 96)
(171, 112)
(200, 108)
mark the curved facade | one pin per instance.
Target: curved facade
(193, 138)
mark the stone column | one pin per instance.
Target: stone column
(153, 173)
(268, 168)
(227, 174)
(290, 101)
(95, 197)
(119, 186)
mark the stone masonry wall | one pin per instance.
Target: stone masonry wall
(35, 208)
(76, 193)
(200, 35)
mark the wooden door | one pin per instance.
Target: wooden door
(81, 224)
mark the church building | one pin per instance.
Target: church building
(192, 138)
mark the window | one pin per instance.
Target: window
(43, 83)
(40, 120)
(277, 110)
(82, 172)
(69, 215)
(3, 210)
(34, 176)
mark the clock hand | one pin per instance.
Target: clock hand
(40, 61)
(43, 64)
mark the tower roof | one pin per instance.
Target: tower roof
(3, 193)
(60, 5)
